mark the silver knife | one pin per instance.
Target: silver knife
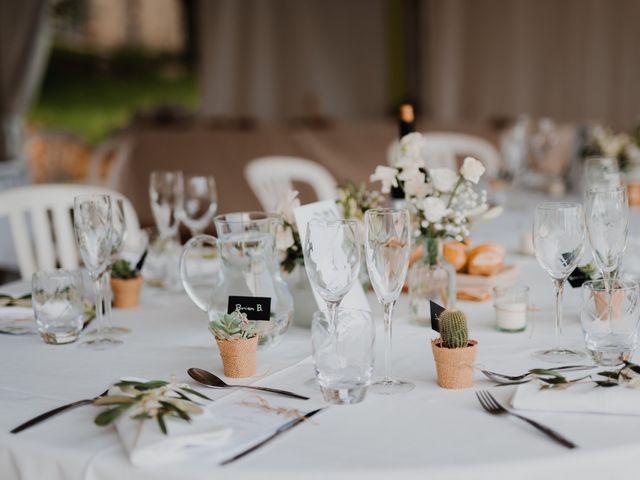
(279, 431)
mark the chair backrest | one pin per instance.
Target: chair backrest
(442, 150)
(40, 219)
(271, 178)
(112, 156)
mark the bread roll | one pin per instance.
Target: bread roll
(486, 259)
(456, 254)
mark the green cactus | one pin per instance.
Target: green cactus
(453, 329)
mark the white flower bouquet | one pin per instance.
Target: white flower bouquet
(442, 201)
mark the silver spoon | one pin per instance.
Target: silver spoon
(210, 380)
(524, 378)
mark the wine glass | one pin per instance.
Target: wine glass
(200, 203)
(118, 235)
(166, 191)
(607, 221)
(558, 238)
(92, 216)
(387, 247)
(601, 172)
(332, 260)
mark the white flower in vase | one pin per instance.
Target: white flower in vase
(416, 187)
(434, 209)
(287, 204)
(472, 170)
(284, 238)
(411, 147)
(386, 176)
(443, 179)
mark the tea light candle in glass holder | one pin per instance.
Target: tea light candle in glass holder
(511, 306)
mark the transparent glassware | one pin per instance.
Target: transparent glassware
(601, 172)
(92, 216)
(607, 222)
(610, 315)
(249, 268)
(332, 259)
(511, 305)
(166, 193)
(343, 354)
(200, 203)
(387, 247)
(58, 305)
(558, 238)
(431, 278)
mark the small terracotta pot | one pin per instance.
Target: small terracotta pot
(633, 193)
(238, 357)
(126, 293)
(602, 301)
(454, 365)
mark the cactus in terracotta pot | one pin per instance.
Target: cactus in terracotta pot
(237, 340)
(126, 282)
(453, 352)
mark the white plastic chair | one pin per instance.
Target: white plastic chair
(40, 220)
(271, 178)
(118, 151)
(443, 149)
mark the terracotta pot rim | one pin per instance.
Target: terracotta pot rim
(438, 344)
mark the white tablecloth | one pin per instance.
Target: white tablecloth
(428, 433)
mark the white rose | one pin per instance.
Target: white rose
(284, 238)
(415, 187)
(443, 179)
(385, 175)
(472, 169)
(286, 205)
(434, 209)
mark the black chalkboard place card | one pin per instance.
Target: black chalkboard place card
(256, 308)
(578, 277)
(436, 310)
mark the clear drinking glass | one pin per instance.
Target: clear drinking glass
(57, 305)
(332, 259)
(200, 203)
(511, 305)
(92, 224)
(601, 172)
(387, 247)
(558, 238)
(607, 222)
(118, 235)
(610, 315)
(343, 354)
(166, 192)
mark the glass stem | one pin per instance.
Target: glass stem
(606, 276)
(388, 311)
(333, 314)
(559, 284)
(99, 315)
(108, 298)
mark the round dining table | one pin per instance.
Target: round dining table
(428, 433)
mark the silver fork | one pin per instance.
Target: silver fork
(492, 406)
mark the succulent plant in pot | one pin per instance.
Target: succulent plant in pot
(454, 353)
(237, 340)
(126, 282)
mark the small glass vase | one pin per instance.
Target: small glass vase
(431, 278)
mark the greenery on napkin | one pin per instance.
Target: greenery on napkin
(9, 301)
(155, 399)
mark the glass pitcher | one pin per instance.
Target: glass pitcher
(248, 278)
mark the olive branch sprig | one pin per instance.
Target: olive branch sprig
(155, 399)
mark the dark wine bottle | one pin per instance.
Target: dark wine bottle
(407, 125)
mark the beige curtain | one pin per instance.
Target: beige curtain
(289, 58)
(24, 41)
(573, 60)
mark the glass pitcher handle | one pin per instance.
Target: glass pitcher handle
(196, 241)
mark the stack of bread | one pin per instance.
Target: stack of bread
(486, 259)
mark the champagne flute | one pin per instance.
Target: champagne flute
(166, 192)
(558, 238)
(607, 221)
(332, 260)
(118, 235)
(92, 216)
(200, 203)
(387, 247)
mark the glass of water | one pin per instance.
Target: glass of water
(610, 319)
(57, 305)
(343, 354)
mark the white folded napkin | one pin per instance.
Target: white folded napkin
(17, 320)
(580, 398)
(146, 445)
